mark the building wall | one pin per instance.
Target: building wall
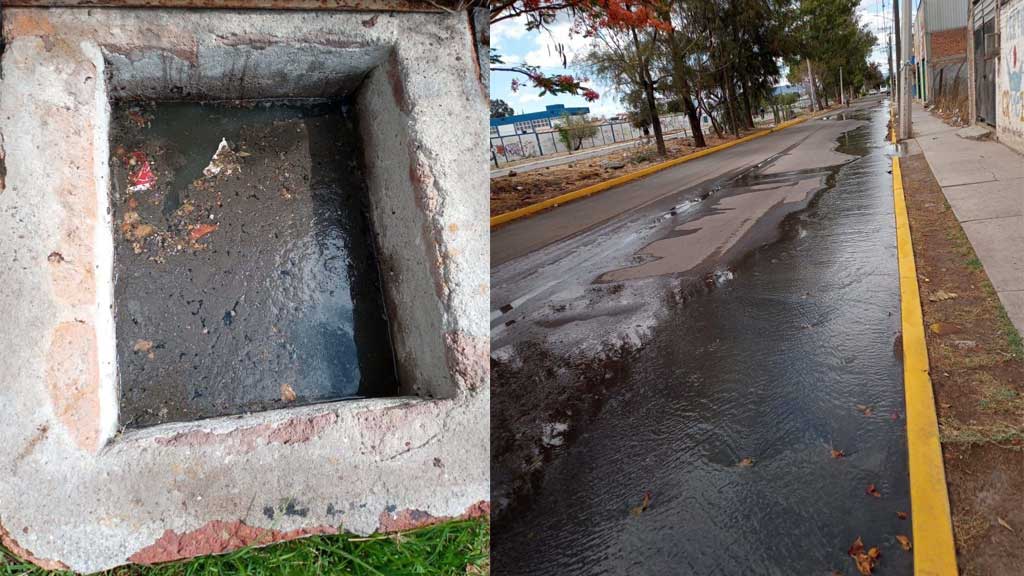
(949, 43)
(947, 71)
(945, 14)
(1009, 92)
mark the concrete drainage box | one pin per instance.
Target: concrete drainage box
(245, 279)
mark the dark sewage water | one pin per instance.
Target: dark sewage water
(729, 415)
(245, 278)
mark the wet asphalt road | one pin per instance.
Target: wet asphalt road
(784, 352)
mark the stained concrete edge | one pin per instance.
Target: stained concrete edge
(69, 499)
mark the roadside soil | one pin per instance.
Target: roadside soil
(522, 189)
(977, 368)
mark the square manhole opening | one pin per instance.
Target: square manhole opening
(245, 270)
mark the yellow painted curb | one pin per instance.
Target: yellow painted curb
(934, 554)
(602, 186)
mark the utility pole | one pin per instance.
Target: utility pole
(905, 124)
(897, 81)
(892, 79)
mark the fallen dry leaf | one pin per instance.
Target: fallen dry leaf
(865, 561)
(873, 491)
(143, 231)
(145, 347)
(837, 454)
(287, 393)
(746, 463)
(904, 541)
(644, 504)
(865, 410)
(942, 295)
(901, 515)
(1003, 523)
(944, 328)
(201, 230)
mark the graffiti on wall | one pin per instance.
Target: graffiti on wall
(1010, 118)
(515, 150)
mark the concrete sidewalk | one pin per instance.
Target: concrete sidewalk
(984, 184)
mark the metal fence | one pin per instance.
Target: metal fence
(516, 147)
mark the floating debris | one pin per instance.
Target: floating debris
(144, 347)
(143, 177)
(202, 230)
(865, 561)
(223, 161)
(287, 393)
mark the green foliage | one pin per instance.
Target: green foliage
(829, 34)
(501, 109)
(453, 548)
(573, 130)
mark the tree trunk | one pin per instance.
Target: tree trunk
(746, 102)
(703, 107)
(682, 89)
(695, 128)
(730, 101)
(652, 104)
(812, 96)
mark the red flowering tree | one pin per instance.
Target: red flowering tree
(588, 16)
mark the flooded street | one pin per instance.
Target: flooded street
(245, 275)
(753, 390)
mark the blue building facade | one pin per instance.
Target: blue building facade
(533, 121)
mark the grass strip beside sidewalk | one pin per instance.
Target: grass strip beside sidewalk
(975, 357)
(454, 548)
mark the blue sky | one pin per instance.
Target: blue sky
(516, 44)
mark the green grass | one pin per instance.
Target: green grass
(458, 547)
(999, 434)
(1013, 337)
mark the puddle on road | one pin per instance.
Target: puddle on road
(246, 283)
(778, 364)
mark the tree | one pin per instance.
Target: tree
(627, 36)
(501, 109)
(829, 36)
(539, 14)
(873, 77)
(587, 16)
(573, 130)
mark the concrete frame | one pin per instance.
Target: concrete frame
(73, 492)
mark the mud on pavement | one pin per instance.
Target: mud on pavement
(245, 276)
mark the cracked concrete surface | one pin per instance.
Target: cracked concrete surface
(72, 493)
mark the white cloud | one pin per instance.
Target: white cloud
(546, 46)
(506, 31)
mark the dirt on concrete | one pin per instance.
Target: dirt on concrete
(522, 189)
(977, 368)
